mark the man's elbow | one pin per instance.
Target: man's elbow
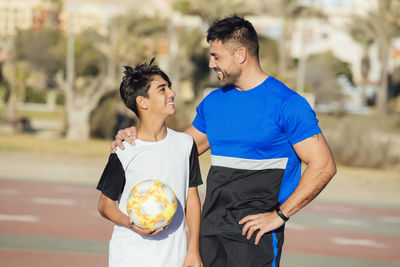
(330, 170)
(334, 170)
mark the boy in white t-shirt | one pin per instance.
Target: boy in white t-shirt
(162, 154)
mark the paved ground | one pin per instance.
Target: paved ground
(48, 217)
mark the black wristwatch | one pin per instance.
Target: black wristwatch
(280, 213)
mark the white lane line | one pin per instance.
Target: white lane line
(54, 201)
(296, 227)
(5, 191)
(66, 189)
(19, 218)
(342, 241)
(321, 207)
(347, 222)
(391, 219)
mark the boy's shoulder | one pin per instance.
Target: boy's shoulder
(181, 137)
(125, 154)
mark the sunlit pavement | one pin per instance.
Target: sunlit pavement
(57, 224)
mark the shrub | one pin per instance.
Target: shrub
(364, 141)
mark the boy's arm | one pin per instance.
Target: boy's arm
(108, 208)
(193, 221)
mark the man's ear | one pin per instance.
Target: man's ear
(241, 55)
(141, 102)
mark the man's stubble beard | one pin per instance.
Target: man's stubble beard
(229, 79)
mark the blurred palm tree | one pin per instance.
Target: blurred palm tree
(208, 11)
(322, 79)
(188, 53)
(364, 36)
(84, 85)
(134, 37)
(382, 25)
(289, 11)
(211, 10)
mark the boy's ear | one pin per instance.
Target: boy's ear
(141, 102)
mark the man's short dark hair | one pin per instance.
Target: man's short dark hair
(235, 29)
(136, 82)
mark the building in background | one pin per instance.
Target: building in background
(16, 14)
(34, 14)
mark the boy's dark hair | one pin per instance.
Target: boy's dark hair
(235, 29)
(136, 82)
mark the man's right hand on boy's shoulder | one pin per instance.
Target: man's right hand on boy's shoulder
(127, 134)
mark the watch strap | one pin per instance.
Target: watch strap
(280, 214)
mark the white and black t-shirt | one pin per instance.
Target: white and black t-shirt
(174, 161)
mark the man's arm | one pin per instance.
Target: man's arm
(315, 152)
(200, 139)
(129, 135)
(193, 221)
(108, 208)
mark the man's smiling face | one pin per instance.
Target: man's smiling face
(222, 61)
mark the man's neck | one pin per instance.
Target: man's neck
(152, 130)
(251, 77)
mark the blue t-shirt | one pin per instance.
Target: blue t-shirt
(253, 164)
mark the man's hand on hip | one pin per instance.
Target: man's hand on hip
(264, 222)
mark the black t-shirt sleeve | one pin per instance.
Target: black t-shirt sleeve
(194, 168)
(112, 180)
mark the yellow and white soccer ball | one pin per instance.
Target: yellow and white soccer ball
(152, 204)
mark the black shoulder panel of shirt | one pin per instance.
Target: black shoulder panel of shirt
(112, 180)
(194, 167)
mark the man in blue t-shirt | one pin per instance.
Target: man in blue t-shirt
(259, 131)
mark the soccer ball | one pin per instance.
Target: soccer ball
(152, 204)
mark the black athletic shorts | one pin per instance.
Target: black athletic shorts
(237, 251)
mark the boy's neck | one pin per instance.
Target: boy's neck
(152, 131)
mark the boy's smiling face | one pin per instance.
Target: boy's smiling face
(160, 98)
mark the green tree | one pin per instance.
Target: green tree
(16, 74)
(269, 55)
(85, 82)
(132, 38)
(25, 67)
(40, 48)
(188, 58)
(321, 78)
